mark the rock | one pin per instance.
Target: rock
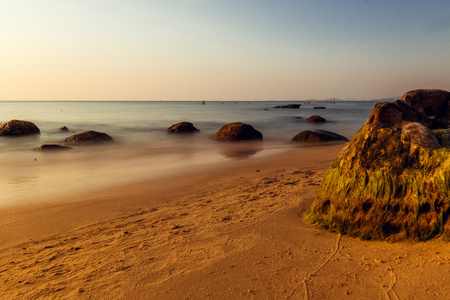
(182, 127)
(317, 136)
(392, 181)
(288, 106)
(237, 132)
(319, 107)
(18, 128)
(429, 107)
(443, 136)
(63, 129)
(51, 147)
(316, 119)
(89, 137)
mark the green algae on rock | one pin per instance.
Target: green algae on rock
(392, 181)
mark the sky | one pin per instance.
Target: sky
(222, 49)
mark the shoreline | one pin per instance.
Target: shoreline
(235, 232)
(57, 176)
(105, 203)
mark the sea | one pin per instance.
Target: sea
(142, 149)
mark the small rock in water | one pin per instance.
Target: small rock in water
(63, 129)
(89, 137)
(288, 106)
(316, 119)
(237, 132)
(182, 127)
(315, 136)
(51, 147)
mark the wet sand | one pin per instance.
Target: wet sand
(234, 232)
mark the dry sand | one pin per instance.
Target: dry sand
(231, 233)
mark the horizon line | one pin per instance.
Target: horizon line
(197, 100)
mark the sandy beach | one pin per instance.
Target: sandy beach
(234, 232)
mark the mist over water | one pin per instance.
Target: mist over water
(142, 148)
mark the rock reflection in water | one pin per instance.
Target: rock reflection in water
(241, 150)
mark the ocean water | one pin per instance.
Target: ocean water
(142, 148)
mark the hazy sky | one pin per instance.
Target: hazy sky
(221, 49)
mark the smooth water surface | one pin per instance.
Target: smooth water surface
(142, 149)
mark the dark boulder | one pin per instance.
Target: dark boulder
(237, 132)
(182, 127)
(317, 136)
(392, 181)
(51, 147)
(18, 128)
(88, 137)
(316, 119)
(429, 107)
(288, 106)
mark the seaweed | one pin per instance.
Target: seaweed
(382, 186)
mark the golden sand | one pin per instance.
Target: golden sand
(231, 233)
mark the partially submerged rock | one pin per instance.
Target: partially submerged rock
(317, 136)
(89, 137)
(392, 181)
(18, 128)
(51, 147)
(63, 129)
(237, 132)
(316, 119)
(288, 106)
(182, 127)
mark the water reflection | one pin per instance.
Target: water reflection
(240, 150)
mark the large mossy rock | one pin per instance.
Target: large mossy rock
(88, 137)
(392, 181)
(18, 128)
(237, 131)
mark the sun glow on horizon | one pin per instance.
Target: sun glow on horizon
(191, 50)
